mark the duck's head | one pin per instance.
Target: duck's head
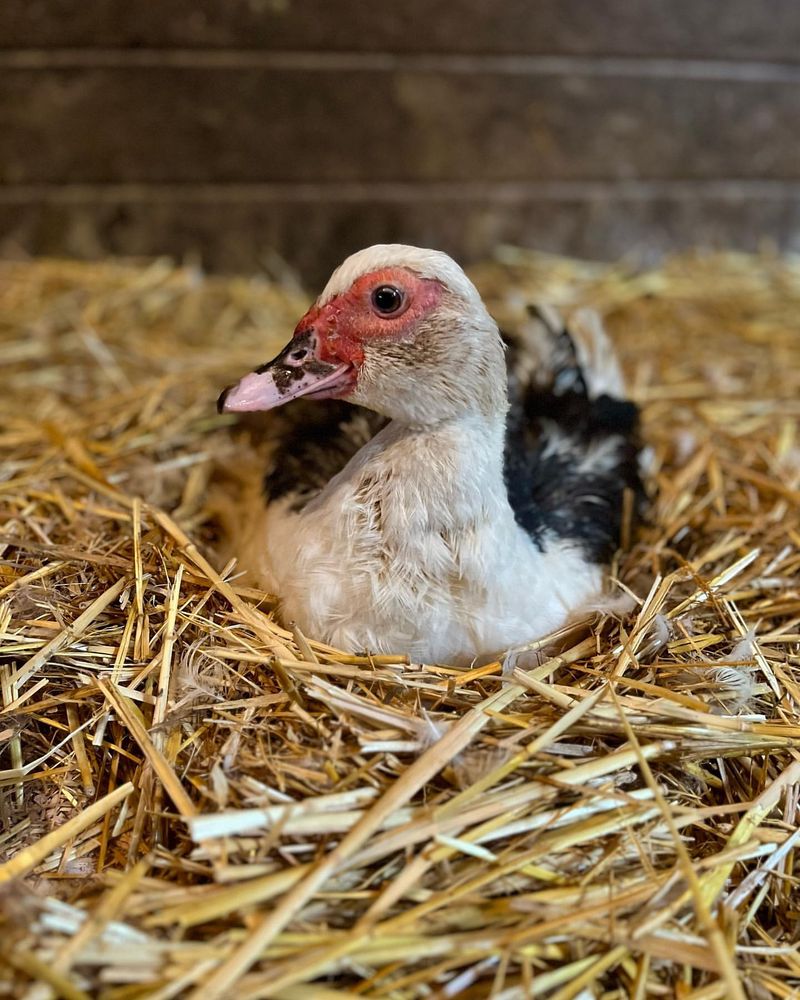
(398, 329)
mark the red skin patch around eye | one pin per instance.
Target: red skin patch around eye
(349, 320)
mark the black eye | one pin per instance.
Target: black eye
(387, 299)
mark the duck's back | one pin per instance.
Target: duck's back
(572, 437)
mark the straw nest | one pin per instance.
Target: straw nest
(197, 803)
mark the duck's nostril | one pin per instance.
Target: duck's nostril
(299, 355)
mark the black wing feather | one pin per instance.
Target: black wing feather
(316, 442)
(569, 458)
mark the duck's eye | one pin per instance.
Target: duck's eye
(387, 299)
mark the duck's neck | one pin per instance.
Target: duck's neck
(439, 478)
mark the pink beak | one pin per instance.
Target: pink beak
(296, 371)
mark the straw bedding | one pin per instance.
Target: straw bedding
(198, 803)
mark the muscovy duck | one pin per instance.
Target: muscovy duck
(440, 503)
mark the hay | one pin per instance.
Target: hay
(198, 803)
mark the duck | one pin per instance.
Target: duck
(439, 489)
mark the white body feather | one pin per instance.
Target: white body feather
(413, 548)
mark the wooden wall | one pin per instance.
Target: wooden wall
(232, 128)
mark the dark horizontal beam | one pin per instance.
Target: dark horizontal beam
(648, 67)
(253, 125)
(312, 236)
(767, 29)
(402, 192)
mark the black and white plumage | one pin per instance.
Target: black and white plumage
(453, 507)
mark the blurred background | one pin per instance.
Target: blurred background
(263, 134)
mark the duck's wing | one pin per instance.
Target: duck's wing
(314, 440)
(572, 437)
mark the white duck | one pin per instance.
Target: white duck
(435, 517)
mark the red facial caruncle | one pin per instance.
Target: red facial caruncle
(381, 305)
(328, 346)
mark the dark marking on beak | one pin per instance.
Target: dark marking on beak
(296, 371)
(222, 397)
(296, 362)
